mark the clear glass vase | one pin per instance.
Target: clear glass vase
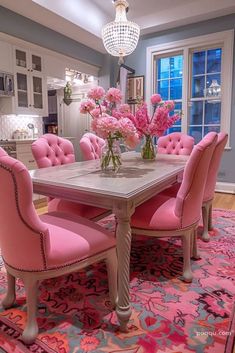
(148, 150)
(110, 160)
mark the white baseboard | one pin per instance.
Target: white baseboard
(228, 188)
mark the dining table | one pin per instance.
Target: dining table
(136, 181)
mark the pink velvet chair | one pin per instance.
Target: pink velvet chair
(210, 184)
(175, 143)
(36, 248)
(51, 150)
(91, 146)
(164, 216)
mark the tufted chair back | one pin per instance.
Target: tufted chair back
(190, 195)
(175, 143)
(50, 150)
(21, 227)
(91, 146)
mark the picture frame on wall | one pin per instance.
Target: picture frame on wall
(135, 89)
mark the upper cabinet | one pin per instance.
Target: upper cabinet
(30, 82)
(6, 62)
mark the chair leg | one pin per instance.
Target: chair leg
(187, 272)
(195, 253)
(10, 297)
(210, 226)
(111, 263)
(205, 218)
(31, 330)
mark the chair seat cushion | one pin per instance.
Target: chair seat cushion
(73, 238)
(156, 214)
(58, 205)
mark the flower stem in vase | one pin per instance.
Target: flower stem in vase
(111, 155)
(148, 150)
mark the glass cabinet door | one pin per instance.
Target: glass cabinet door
(22, 90)
(36, 63)
(37, 92)
(21, 58)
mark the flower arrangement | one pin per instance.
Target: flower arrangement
(156, 125)
(110, 123)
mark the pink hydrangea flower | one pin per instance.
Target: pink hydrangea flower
(96, 93)
(113, 95)
(106, 125)
(124, 108)
(117, 114)
(87, 106)
(126, 127)
(98, 111)
(156, 98)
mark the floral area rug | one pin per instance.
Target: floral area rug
(169, 316)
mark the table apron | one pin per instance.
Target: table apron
(101, 200)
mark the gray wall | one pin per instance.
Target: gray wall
(137, 60)
(26, 29)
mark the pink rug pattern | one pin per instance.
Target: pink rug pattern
(169, 316)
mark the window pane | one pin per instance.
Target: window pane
(163, 68)
(198, 86)
(212, 113)
(211, 128)
(196, 132)
(214, 60)
(199, 63)
(209, 79)
(174, 129)
(176, 88)
(177, 110)
(176, 66)
(163, 89)
(196, 113)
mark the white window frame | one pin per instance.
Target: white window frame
(224, 39)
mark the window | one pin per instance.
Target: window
(169, 82)
(183, 70)
(204, 113)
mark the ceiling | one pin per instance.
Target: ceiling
(82, 20)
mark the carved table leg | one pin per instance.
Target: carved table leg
(123, 213)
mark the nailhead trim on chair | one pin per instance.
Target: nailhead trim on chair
(55, 267)
(21, 217)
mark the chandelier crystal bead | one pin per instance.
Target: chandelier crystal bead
(121, 36)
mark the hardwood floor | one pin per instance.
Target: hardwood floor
(225, 201)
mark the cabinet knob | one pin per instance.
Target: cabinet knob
(31, 70)
(30, 105)
(28, 70)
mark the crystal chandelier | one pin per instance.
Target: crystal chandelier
(120, 37)
(213, 92)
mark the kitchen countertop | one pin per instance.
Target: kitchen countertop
(30, 140)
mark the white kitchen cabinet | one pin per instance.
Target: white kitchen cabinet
(6, 61)
(30, 83)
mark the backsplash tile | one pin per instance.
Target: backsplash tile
(10, 123)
